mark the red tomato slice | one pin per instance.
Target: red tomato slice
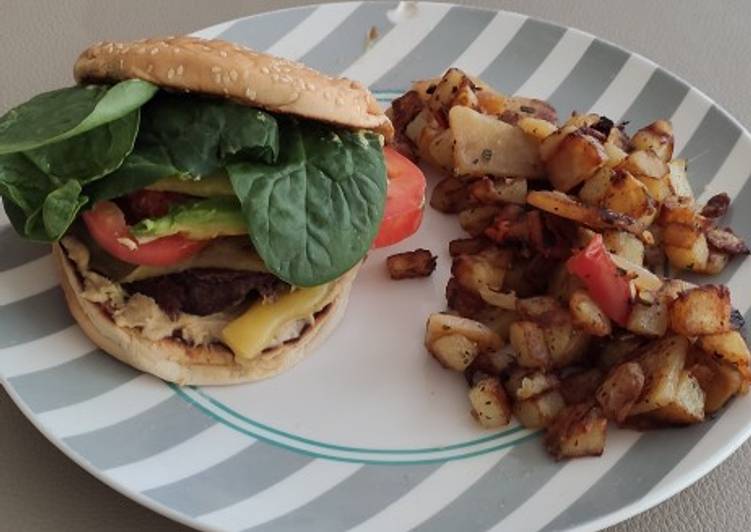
(405, 199)
(605, 283)
(106, 224)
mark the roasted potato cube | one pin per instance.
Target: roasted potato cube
(656, 137)
(493, 362)
(679, 210)
(566, 344)
(694, 258)
(629, 196)
(462, 301)
(625, 245)
(594, 189)
(680, 235)
(483, 270)
(563, 284)
(643, 163)
(465, 95)
(577, 158)
(468, 246)
(499, 191)
(499, 320)
(451, 196)
(616, 154)
(579, 120)
(519, 107)
(551, 143)
(417, 263)
(440, 150)
(474, 220)
(678, 179)
(620, 390)
(728, 346)
(716, 262)
(536, 128)
(454, 351)
(524, 384)
(539, 411)
(581, 386)
(423, 129)
(578, 430)
(484, 145)
(588, 316)
(688, 405)
(725, 241)
(446, 89)
(662, 362)
(649, 318)
(536, 308)
(446, 324)
(528, 340)
(719, 381)
(717, 206)
(490, 406)
(618, 350)
(491, 102)
(700, 311)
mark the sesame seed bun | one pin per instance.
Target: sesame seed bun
(219, 68)
(175, 361)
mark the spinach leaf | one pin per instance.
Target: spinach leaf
(60, 208)
(63, 113)
(313, 214)
(22, 183)
(90, 155)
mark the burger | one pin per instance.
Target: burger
(208, 205)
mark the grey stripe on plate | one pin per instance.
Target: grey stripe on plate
(452, 35)
(708, 148)
(516, 477)
(237, 478)
(330, 56)
(15, 251)
(634, 475)
(78, 380)
(521, 57)
(590, 77)
(659, 98)
(260, 32)
(34, 317)
(159, 428)
(352, 501)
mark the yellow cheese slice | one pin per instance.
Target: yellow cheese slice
(252, 332)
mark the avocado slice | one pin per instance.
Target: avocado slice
(206, 187)
(198, 219)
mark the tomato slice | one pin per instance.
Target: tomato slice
(106, 224)
(405, 199)
(607, 286)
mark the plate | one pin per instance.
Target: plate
(369, 433)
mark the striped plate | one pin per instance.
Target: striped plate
(369, 433)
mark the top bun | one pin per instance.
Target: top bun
(220, 68)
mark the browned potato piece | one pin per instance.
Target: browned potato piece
(700, 311)
(565, 206)
(661, 362)
(680, 235)
(484, 145)
(490, 406)
(493, 362)
(716, 262)
(417, 263)
(564, 284)
(465, 95)
(620, 391)
(566, 344)
(520, 107)
(497, 319)
(464, 302)
(551, 143)
(616, 154)
(451, 196)
(577, 158)
(524, 384)
(619, 349)
(499, 191)
(643, 163)
(446, 89)
(468, 246)
(724, 240)
(474, 220)
(694, 258)
(484, 270)
(730, 347)
(688, 405)
(537, 128)
(580, 387)
(624, 244)
(491, 102)
(629, 196)
(579, 120)
(539, 411)
(649, 318)
(587, 315)
(719, 381)
(536, 308)
(454, 351)
(656, 137)
(579, 430)
(717, 206)
(679, 179)
(528, 340)
(440, 150)
(679, 210)
(446, 324)
(595, 188)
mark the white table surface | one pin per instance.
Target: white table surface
(707, 43)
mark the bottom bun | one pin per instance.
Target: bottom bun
(176, 361)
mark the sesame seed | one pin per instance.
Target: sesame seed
(311, 87)
(216, 69)
(171, 73)
(180, 70)
(178, 50)
(294, 96)
(265, 70)
(275, 77)
(154, 51)
(225, 91)
(150, 68)
(223, 53)
(233, 74)
(250, 93)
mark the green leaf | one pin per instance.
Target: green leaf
(314, 213)
(22, 183)
(60, 208)
(90, 155)
(64, 113)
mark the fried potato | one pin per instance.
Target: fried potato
(578, 430)
(629, 196)
(620, 390)
(679, 210)
(657, 137)
(440, 150)
(446, 89)
(700, 311)
(524, 384)
(528, 340)
(624, 244)
(577, 157)
(645, 164)
(484, 145)
(649, 318)
(694, 258)
(536, 308)
(466, 339)
(539, 411)
(536, 128)
(730, 347)
(468, 246)
(490, 406)
(474, 220)
(454, 351)
(719, 381)
(594, 189)
(716, 262)
(492, 362)
(662, 362)
(618, 349)
(566, 344)
(451, 195)
(483, 270)
(678, 179)
(588, 316)
(724, 240)
(410, 264)
(688, 405)
(581, 386)
(498, 191)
